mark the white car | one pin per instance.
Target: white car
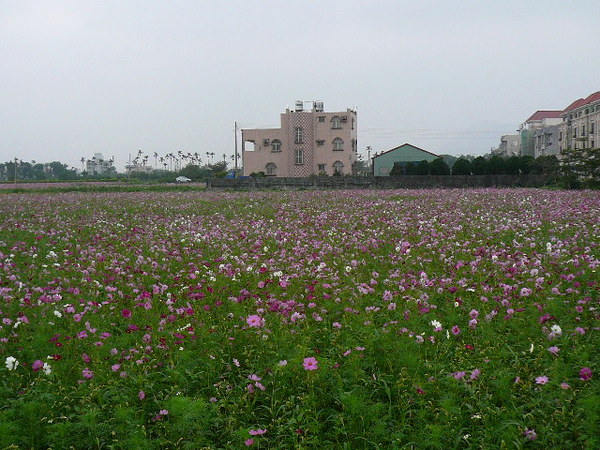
(182, 180)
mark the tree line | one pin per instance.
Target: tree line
(494, 165)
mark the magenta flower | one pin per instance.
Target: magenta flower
(455, 330)
(126, 313)
(585, 374)
(249, 442)
(87, 374)
(255, 321)
(258, 432)
(565, 386)
(554, 350)
(37, 365)
(141, 395)
(530, 434)
(310, 363)
(541, 380)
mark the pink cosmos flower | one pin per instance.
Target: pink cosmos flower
(554, 350)
(37, 365)
(258, 432)
(255, 321)
(310, 363)
(530, 434)
(126, 313)
(249, 442)
(141, 395)
(541, 380)
(87, 374)
(585, 374)
(455, 330)
(565, 386)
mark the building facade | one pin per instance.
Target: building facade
(402, 155)
(308, 143)
(538, 121)
(510, 145)
(98, 165)
(545, 141)
(580, 124)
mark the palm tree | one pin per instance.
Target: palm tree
(155, 158)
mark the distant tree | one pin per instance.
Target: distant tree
(512, 165)
(397, 170)
(450, 160)
(546, 164)
(439, 167)
(410, 168)
(581, 165)
(495, 165)
(220, 166)
(422, 168)
(526, 164)
(462, 166)
(479, 166)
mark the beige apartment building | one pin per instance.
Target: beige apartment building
(581, 123)
(309, 142)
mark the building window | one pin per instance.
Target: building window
(271, 169)
(320, 142)
(298, 135)
(321, 118)
(276, 145)
(338, 167)
(575, 132)
(591, 127)
(299, 156)
(336, 122)
(321, 168)
(338, 144)
(583, 130)
(592, 144)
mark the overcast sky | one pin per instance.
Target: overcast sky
(114, 77)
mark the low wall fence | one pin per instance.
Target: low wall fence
(398, 182)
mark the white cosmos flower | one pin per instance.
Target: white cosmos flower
(11, 363)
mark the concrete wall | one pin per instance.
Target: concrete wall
(401, 182)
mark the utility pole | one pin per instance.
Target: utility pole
(236, 150)
(16, 160)
(369, 158)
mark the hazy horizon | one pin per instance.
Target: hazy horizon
(115, 77)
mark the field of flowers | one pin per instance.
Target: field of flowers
(341, 319)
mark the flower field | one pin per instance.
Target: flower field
(340, 319)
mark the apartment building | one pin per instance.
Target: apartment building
(580, 124)
(539, 124)
(308, 142)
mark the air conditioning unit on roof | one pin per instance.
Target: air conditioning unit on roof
(265, 142)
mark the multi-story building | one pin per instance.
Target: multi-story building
(580, 123)
(307, 143)
(98, 165)
(509, 145)
(545, 141)
(540, 120)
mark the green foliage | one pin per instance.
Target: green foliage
(439, 167)
(479, 166)
(580, 166)
(462, 167)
